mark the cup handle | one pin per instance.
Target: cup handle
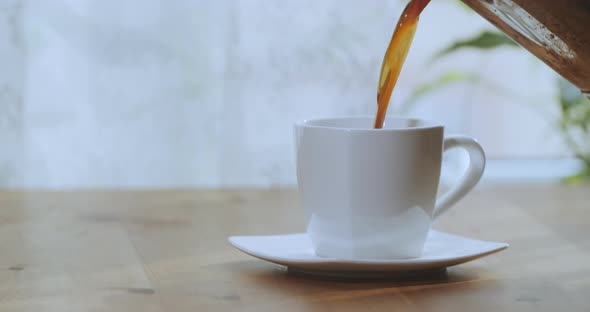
(477, 163)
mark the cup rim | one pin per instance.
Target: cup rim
(427, 124)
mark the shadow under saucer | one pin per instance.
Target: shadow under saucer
(435, 275)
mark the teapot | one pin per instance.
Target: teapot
(557, 32)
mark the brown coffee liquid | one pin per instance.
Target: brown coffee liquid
(396, 55)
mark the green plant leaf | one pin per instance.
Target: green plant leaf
(485, 40)
(575, 116)
(581, 177)
(442, 81)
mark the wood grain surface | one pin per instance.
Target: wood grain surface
(167, 251)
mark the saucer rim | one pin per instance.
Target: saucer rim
(414, 262)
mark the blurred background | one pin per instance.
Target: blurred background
(183, 93)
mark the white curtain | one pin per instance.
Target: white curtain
(157, 93)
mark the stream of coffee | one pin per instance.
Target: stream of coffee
(395, 56)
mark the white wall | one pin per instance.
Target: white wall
(11, 92)
(189, 93)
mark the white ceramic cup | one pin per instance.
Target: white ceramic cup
(371, 193)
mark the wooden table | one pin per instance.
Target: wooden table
(167, 251)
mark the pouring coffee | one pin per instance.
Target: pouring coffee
(554, 31)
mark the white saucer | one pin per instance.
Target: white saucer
(295, 251)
